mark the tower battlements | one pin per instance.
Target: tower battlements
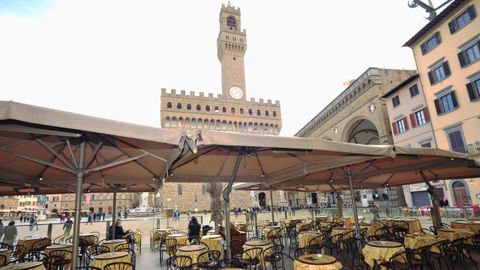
(202, 96)
(230, 9)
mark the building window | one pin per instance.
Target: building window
(413, 90)
(426, 144)
(274, 114)
(232, 110)
(250, 112)
(199, 108)
(470, 54)
(216, 109)
(473, 89)
(439, 73)
(169, 105)
(402, 125)
(455, 139)
(266, 113)
(396, 101)
(204, 189)
(179, 190)
(465, 18)
(189, 107)
(259, 113)
(224, 109)
(242, 112)
(431, 43)
(207, 108)
(419, 118)
(446, 103)
(179, 106)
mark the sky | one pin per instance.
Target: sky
(111, 58)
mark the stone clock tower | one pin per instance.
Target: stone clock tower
(231, 47)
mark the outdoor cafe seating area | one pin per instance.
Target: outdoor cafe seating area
(43, 253)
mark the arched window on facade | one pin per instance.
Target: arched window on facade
(216, 109)
(199, 108)
(266, 113)
(232, 110)
(259, 113)
(250, 112)
(274, 113)
(224, 110)
(242, 112)
(189, 107)
(207, 108)
(169, 105)
(179, 106)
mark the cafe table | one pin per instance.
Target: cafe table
(414, 225)
(316, 262)
(419, 240)
(62, 247)
(300, 226)
(192, 251)
(268, 229)
(473, 226)
(381, 251)
(101, 260)
(304, 238)
(347, 232)
(113, 244)
(213, 241)
(454, 234)
(263, 244)
(29, 241)
(155, 236)
(182, 239)
(24, 266)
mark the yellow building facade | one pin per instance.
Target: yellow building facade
(447, 55)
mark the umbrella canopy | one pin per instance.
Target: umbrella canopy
(403, 169)
(267, 158)
(39, 152)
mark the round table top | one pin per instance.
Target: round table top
(160, 230)
(175, 235)
(317, 259)
(212, 236)
(57, 246)
(191, 248)
(21, 266)
(466, 222)
(35, 237)
(384, 244)
(85, 234)
(273, 226)
(255, 243)
(114, 241)
(110, 255)
(305, 232)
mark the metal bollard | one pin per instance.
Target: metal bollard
(49, 230)
(106, 229)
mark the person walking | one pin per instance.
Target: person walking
(67, 227)
(35, 222)
(1, 229)
(194, 230)
(30, 222)
(9, 233)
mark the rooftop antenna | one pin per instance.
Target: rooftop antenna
(428, 6)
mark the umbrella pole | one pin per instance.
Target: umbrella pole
(226, 198)
(271, 206)
(436, 218)
(78, 205)
(354, 207)
(114, 216)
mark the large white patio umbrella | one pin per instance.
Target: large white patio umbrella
(49, 151)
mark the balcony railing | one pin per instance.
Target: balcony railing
(474, 148)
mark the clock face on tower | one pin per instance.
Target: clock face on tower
(236, 92)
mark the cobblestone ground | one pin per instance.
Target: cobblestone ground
(149, 259)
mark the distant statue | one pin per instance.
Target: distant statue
(144, 203)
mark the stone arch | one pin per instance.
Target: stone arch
(232, 110)
(362, 131)
(167, 121)
(194, 123)
(169, 105)
(460, 192)
(212, 124)
(216, 109)
(174, 121)
(179, 106)
(207, 108)
(224, 110)
(189, 107)
(199, 107)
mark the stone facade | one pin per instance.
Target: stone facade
(8, 203)
(446, 54)
(229, 111)
(359, 115)
(98, 201)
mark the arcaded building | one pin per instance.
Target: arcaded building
(229, 111)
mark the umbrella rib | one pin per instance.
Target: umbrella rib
(71, 153)
(57, 155)
(190, 159)
(46, 167)
(44, 162)
(116, 163)
(96, 149)
(259, 164)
